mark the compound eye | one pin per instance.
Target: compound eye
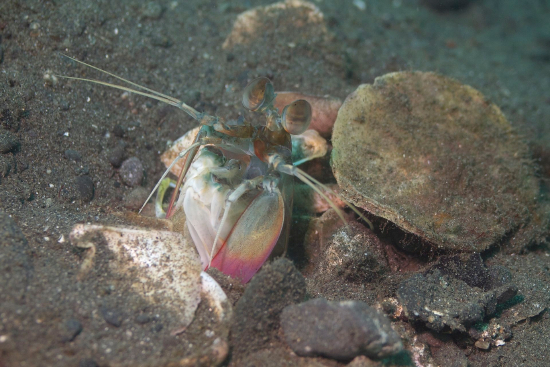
(296, 117)
(258, 94)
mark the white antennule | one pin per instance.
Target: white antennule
(289, 169)
(152, 93)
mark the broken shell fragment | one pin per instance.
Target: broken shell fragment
(436, 158)
(166, 268)
(177, 147)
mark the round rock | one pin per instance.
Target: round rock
(131, 171)
(439, 160)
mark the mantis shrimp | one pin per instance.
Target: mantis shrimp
(235, 189)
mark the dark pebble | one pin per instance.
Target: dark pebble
(256, 320)
(71, 329)
(73, 155)
(158, 327)
(21, 164)
(338, 330)
(118, 131)
(143, 319)
(84, 187)
(87, 362)
(446, 5)
(112, 316)
(8, 142)
(161, 40)
(116, 156)
(64, 105)
(131, 172)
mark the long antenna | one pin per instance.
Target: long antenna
(152, 93)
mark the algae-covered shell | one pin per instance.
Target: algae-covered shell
(436, 158)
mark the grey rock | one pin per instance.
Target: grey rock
(256, 314)
(131, 172)
(353, 253)
(442, 300)
(73, 155)
(338, 330)
(9, 142)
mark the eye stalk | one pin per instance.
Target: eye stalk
(296, 117)
(259, 94)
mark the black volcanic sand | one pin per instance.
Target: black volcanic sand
(62, 143)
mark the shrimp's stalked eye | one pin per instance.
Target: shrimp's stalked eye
(259, 94)
(296, 117)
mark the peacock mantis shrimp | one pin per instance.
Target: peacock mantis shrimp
(235, 188)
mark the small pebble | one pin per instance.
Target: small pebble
(116, 156)
(87, 362)
(135, 198)
(73, 155)
(152, 10)
(8, 142)
(71, 329)
(131, 172)
(118, 131)
(49, 202)
(81, 188)
(5, 166)
(483, 344)
(158, 327)
(143, 319)
(112, 316)
(64, 105)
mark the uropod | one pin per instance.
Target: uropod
(234, 190)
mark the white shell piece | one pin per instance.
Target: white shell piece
(168, 267)
(177, 147)
(216, 297)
